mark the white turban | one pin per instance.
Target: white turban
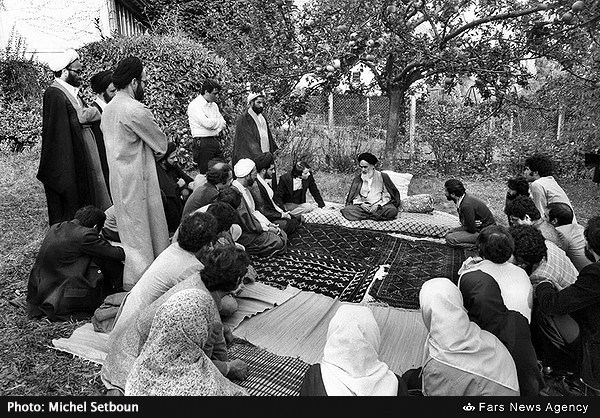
(253, 95)
(243, 167)
(63, 60)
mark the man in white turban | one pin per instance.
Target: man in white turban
(252, 133)
(259, 236)
(70, 167)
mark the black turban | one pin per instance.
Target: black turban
(171, 148)
(128, 69)
(368, 157)
(100, 81)
(263, 160)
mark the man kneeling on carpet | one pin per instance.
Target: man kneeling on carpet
(350, 364)
(223, 273)
(74, 269)
(372, 194)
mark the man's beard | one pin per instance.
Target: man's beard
(106, 97)
(249, 182)
(450, 198)
(257, 110)
(73, 80)
(138, 94)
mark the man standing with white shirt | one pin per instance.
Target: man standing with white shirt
(206, 122)
(259, 236)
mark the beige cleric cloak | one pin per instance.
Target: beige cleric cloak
(133, 142)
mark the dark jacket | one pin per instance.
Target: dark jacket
(387, 183)
(263, 202)
(246, 139)
(581, 300)
(64, 282)
(285, 191)
(63, 162)
(101, 147)
(472, 209)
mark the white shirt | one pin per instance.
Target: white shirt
(264, 222)
(204, 118)
(74, 91)
(100, 103)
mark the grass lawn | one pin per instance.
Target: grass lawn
(29, 366)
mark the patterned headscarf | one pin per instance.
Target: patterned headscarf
(351, 364)
(172, 362)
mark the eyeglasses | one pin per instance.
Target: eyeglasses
(363, 166)
(76, 71)
(143, 80)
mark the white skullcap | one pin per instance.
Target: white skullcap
(253, 95)
(63, 60)
(243, 167)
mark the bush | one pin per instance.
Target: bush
(176, 68)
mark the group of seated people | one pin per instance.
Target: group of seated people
(527, 303)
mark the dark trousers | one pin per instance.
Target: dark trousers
(206, 149)
(59, 208)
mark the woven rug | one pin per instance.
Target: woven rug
(268, 373)
(411, 263)
(317, 272)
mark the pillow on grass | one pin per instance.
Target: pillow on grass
(400, 180)
(418, 203)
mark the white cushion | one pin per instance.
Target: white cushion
(400, 180)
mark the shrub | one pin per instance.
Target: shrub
(175, 67)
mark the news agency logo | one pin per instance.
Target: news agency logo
(468, 407)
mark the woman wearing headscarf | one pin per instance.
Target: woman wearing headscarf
(350, 364)
(172, 362)
(461, 359)
(372, 194)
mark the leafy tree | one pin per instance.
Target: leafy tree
(408, 42)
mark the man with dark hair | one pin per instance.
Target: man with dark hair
(542, 185)
(260, 236)
(70, 167)
(134, 142)
(473, 214)
(290, 193)
(74, 269)
(581, 301)
(522, 211)
(560, 215)
(543, 260)
(102, 85)
(264, 196)
(196, 236)
(498, 297)
(252, 132)
(206, 122)
(218, 177)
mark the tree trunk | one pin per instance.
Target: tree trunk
(396, 120)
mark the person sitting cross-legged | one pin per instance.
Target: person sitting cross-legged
(560, 215)
(522, 211)
(264, 196)
(290, 192)
(372, 194)
(260, 236)
(74, 269)
(473, 214)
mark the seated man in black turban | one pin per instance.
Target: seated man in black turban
(372, 193)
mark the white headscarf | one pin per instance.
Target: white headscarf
(456, 341)
(63, 60)
(243, 167)
(351, 364)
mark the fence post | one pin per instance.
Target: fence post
(411, 126)
(331, 111)
(561, 116)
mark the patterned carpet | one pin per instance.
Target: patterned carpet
(411, 264)
(340, 262)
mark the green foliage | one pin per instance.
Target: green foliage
(176, 68)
